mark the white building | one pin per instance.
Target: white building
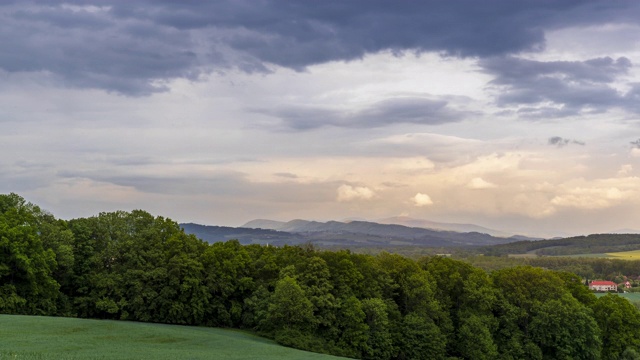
(600, 285)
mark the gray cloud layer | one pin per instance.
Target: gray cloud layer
(230, 185)
(561, 142)
(395, 110)
(132, 48)
(572, 87)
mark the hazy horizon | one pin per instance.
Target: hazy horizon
(516, 116)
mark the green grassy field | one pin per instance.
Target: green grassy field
(586, 256)
(626, 255)
(533, 255)
(634, 297)
(37, 337)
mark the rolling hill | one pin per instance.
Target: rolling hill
(427, 224)
(344, 234)
(577, 245)
(41, 337)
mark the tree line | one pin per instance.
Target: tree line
(590, 244)
(587, 268)
(134, 266)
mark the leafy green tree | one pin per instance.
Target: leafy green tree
(138, 240)
(526, 286)
(380, 342)
(98, 278)
(227, 269)
(56, 236)
(474, 337)
(27, 285)
(185, 275)
(265, 268)
(420, 338)
(345, 275)
(352, 331)
(256, 309)
(314, 278)
(619, 322)
(509, 337)
(132, 265)
(289, 308)
(375, 283)
(468, 296)
(540, 318)
(630, 354)
(573, 283)
(411, 286)
(565, 329)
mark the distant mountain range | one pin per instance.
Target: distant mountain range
(353, 233)
(304, 225)
(427, 224)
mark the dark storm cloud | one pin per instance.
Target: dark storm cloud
(97, 52)
(572, 87)
(561, 142)
(133, 47)
(391, 111)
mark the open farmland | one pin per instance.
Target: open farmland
(626, 255)
(622, 255)
(37, 337)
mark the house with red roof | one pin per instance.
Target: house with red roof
(600, 285)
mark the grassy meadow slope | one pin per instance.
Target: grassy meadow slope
(39, 337)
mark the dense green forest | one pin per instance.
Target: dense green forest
(134, 266)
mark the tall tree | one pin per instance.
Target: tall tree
(468, 296)
(289, 308)
(227, 269)
(27, 285)
(353, 332)
(380, 342)
(564, 329)
(314, 278)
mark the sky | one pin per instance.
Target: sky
(522, 116)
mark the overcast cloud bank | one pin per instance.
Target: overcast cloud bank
(496, 112)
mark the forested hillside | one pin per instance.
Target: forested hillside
(134, 266)
(353, 234)
(591, 244)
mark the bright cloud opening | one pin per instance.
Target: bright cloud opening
(479, 183)
(422, 200)
(350, 193)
